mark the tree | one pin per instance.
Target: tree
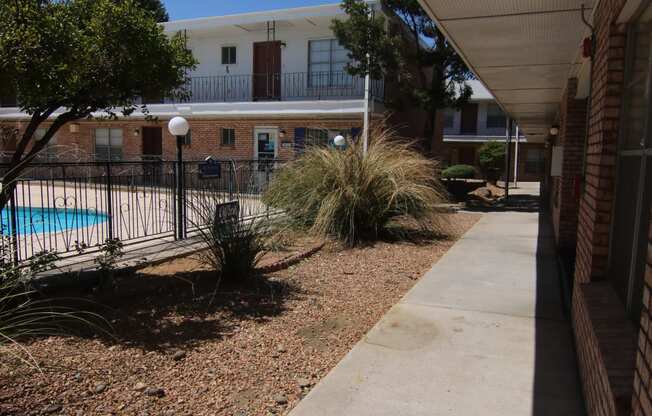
(156, 8)
(82, 57)
(491, 156)
(410, 50)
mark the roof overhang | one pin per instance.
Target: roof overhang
(313, 17)
(522, 51)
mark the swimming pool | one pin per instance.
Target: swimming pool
(32, 220)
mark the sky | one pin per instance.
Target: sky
(188, 9)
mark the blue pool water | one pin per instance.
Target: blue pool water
(49, 220)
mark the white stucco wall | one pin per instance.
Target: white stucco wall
(482, 129)
(207, 49)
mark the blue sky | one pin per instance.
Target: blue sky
(188, 9)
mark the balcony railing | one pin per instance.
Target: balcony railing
(294, 86)
(279, 87)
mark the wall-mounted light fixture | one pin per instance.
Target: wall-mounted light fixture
(74, 127)
(136, 132)
(282, 134)
(554, 130)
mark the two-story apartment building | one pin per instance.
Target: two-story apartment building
(267, 84)
(479, 121)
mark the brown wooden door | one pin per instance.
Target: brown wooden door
(267, 70)
(469, 119)
(152, 143)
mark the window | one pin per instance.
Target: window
(449, 118)
(229, 55)
(327, 64)
(48, 153)
(631, 218)
(534, 162)
(228, 137)
(108, 144)
(317, 137)
(495, 117)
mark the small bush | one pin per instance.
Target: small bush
(24, 313)
(492, 159)
(459, 172)
(234, 247)
(353, 197)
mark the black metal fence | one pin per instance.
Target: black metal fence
(284, 87)
(66, 207)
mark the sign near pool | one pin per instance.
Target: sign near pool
(211, 168)
(226, 214)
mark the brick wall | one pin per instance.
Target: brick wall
(605, 339)
(572, 129)
(206, 136)
(642, 401)
(597, 198)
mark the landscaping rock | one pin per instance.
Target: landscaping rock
(140, 387)
(99, 388)
(281, 399)
(155, 392)
(304, 382)
(179, 355)
(53, 408)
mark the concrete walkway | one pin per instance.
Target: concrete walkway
(483, 333)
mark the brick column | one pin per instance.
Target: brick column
(596, 203)
(572, 131)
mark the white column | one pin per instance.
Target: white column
(516, 158)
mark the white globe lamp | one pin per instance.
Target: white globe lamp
(178, 126)
(339, 140)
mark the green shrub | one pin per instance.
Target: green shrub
(353, 197)
(459, 172)
(492, 159)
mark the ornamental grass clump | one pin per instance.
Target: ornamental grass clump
(354, 197)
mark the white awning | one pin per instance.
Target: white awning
(523, 51)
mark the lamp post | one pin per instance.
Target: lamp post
(339, 140)
(179, 127)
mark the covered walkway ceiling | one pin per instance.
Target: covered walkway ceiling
(522, 50)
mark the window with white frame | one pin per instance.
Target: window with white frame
(229, 55)
(495, 117)
(327, 64)
(108, 144)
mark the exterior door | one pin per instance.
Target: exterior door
(265, 154)
(469, 119)
(152, 143)
(267, 70)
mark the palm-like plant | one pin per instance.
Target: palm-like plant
(354, 196)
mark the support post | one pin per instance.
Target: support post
(14, 225)
(517, 137)
(508, 157)
(181, 221)
(109, 198)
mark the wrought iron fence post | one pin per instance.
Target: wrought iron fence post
(175, 189)
(109, 198)
(14, 226)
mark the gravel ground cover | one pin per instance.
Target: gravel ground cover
(248, 351)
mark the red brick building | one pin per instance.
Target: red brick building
(591, 102)
(267, 84)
